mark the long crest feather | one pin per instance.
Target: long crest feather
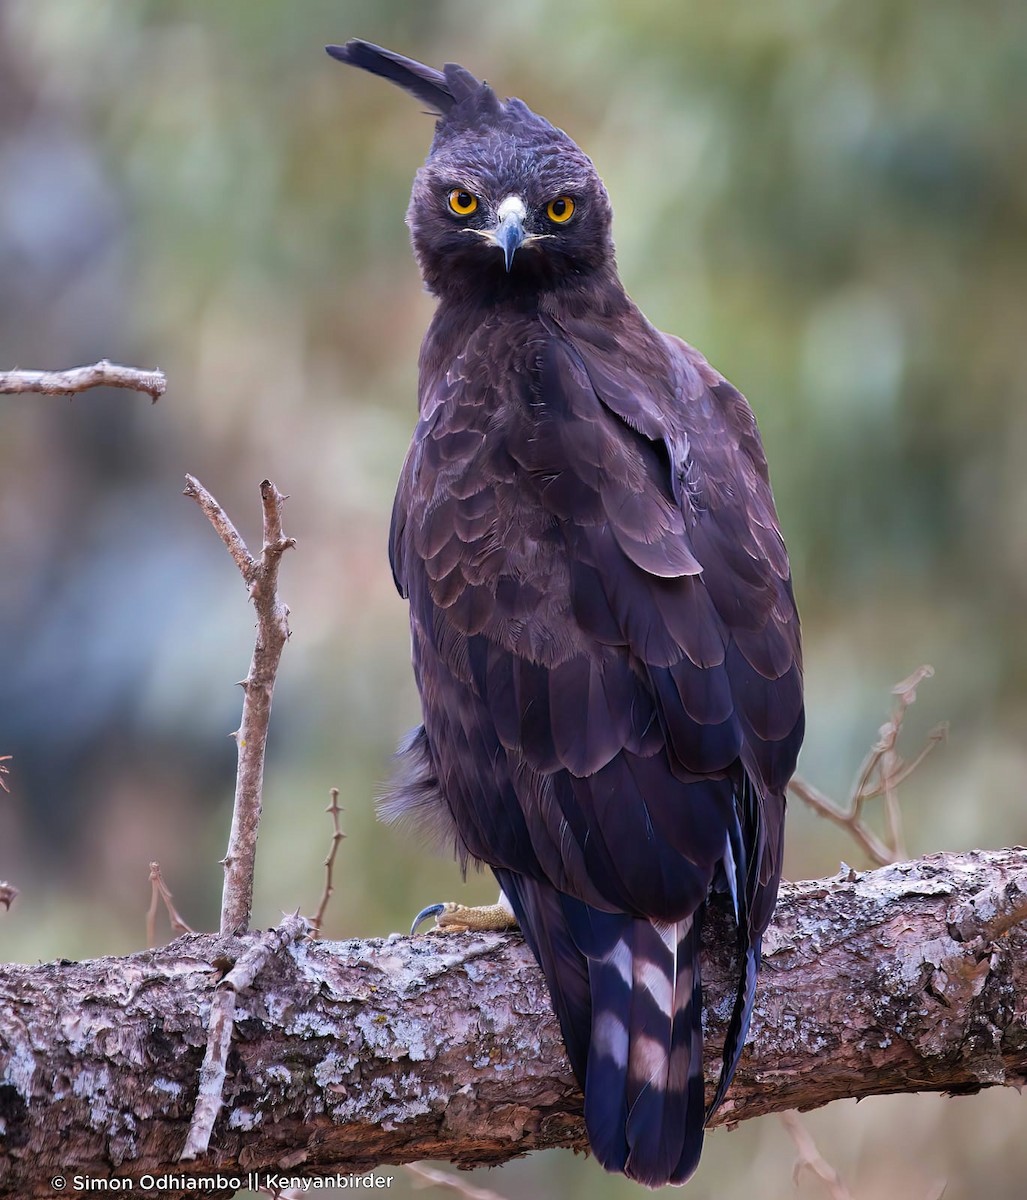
(431, 87)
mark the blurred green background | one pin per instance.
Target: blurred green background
(827, 198)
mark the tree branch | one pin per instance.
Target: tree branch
(350, 1055)
(213, 1073)
(261, 577)
(881, 772)
(80, 379)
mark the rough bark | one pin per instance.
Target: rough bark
(350, 1055)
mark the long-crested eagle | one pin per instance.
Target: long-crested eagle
(604, 634)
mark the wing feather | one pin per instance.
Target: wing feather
(608, 654)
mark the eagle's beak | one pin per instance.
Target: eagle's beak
(509, 236)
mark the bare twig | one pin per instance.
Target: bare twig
(809, 1158)
(430, 1177)
(219, 1030)
(851, 820)
(7, 890)
(261, 576)
(224, 528)
(80, 379)
(329, 864)
(159, 890)
(880, 774)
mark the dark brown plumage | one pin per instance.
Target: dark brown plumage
(604, 633)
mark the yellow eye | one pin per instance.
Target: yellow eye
(560, 210)
(462, 203)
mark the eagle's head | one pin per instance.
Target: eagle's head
(505, 203)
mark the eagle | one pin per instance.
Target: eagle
(604, 634)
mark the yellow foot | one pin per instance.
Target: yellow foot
(457, 918)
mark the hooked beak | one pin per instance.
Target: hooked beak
(509, 235)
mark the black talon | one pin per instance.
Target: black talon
(433, 910)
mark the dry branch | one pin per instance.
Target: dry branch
(80, 379)
(334, 811)
(221, 1026)
(433, 1178)
(350, 1055)
(160, 892)
(880, 774)
(809, 1158)
(261, 578)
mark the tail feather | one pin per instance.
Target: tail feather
(665, 1078)
(642, 1075)
(738, 1026)
(734, 878)
(628, 994)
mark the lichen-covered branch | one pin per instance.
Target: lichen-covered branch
(214, 1071)
(81, 379)
(355, 1054)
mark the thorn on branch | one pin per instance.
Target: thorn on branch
(81, 379)
(880, 774)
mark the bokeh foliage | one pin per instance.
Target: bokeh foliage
(828, 198)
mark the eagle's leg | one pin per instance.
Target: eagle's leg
(458, 918)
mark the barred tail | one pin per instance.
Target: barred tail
(644, 1103)
(629, 998)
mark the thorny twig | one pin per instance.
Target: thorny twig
(159, 890)
(261, 576)
(329, 864)
(80, 379)
(219, 1030)
(430, 1177)
(8, 891)
(882, 771)
(809, 1158)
